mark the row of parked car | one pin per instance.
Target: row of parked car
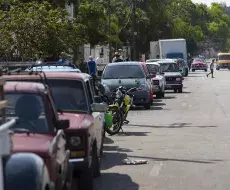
(58, 118)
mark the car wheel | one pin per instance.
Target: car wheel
(158, 95)
(175, 90)
(162, 94)
(180, 90)
(96, 164)
(147, 106)
(86, 179)
(217, 68)
(193, 70)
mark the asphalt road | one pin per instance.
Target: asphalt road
(184, 137)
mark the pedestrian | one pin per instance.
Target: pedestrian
(211, 68)
(100, 64)
(92, 66)
(117, 58)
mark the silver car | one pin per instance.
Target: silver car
(129, 75)
(158, 79)
(173, 77)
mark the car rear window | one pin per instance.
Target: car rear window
(153, 69)
(123, 72)
(169, 67)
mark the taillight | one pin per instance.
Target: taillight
(153, 75)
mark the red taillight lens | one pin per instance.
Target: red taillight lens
(153, 75)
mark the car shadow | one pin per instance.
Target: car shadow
(115, 181)
(169, 97)
(116, 148)
(158, 104)
(184, 92)
(111, 159)
(107, 140)
(197, 76)
(173, 125)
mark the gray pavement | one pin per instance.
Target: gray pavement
(185, 138)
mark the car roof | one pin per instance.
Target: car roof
(52, 75)
(27, 87)
(166, 61)
(153, 63)
(58, 68)
(224, 53)
(126, 63)
(152, 60)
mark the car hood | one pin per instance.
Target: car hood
(127, 83)
(77, 120)
(173, 74)
(35, 143)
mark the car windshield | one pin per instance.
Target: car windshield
(153, 69)
(29, 112)
(123, 72)
(69, 95)
(175, 56)
(169, 67)
(198, 60)
(224, 57)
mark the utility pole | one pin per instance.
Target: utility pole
(109, 29)
(134, 32)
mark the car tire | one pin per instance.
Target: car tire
(147, 106)
(180, 90)
(217, 68)
(193, 70)
(175, 90)
(159, 95)
(86, 179)
(163, 94)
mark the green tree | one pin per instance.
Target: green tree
(38, 29)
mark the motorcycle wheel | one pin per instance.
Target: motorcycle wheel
(117, 123)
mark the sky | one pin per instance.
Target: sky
(208, 2)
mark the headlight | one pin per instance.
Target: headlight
(178, 79)
(75, 141)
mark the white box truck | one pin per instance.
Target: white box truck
(170, 49)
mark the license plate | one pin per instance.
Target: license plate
(74, 154)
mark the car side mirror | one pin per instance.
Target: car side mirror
(99, 107)
(98, 99)
(62, 124)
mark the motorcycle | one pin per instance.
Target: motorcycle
(119, 106)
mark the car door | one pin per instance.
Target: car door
(98, 117)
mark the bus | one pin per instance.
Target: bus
(223, 61)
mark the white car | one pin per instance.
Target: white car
(158, 80)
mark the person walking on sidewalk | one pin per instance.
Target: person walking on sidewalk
(211, 69)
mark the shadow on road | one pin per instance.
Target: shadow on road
(111, 159)
(115, 181)
(173, 125)
(158, 104)
(197, 76)
(171, 92)
(169, 97)
(116, 148)
(201, 161)
(108, 140)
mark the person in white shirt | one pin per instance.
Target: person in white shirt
(100, 64)
(211, 68)
(117, 58)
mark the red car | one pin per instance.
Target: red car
(198, 64)
(38, 129)
(74, 98)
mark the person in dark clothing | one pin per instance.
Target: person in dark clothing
(92, 66)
